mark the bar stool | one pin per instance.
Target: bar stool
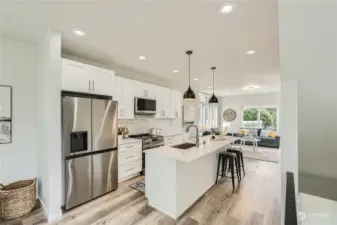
(241, 164)
(238, 150)
(227, 159)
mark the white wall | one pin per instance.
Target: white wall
(289, 134)
(49, 126)
(308, 53)
(239, 101)
(18, 68)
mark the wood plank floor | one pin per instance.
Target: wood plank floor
(255, 202)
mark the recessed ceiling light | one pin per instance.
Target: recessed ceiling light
(141, 57)
(251, 52)
(175, 71)
(227, 8)
(209, 86)
(78, 32)
(195, 79)
(250, 87)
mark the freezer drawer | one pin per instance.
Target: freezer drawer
(78, 181)
(104, 173)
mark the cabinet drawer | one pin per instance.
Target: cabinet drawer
(129, 169)
(129, 156)
(132, 146)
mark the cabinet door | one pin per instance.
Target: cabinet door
(167, 102)
(117, 95)
(160, 101)
(172, 104)
(179, 104)
(102, 81)
(152, 91)
(138, 89)
(75, 76)
(128, 98)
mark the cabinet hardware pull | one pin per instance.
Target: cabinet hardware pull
(129, 157)
(131, 146)
(89, 85)
(130, 169)
(93, 86)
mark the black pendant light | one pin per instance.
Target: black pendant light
(189, 94)
(213, 99)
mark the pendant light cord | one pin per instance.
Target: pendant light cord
(213, 81)
(189, 70)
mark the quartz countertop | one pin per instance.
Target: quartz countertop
(170, 134)
(193, 153)
(122, 141)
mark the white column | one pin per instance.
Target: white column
(49, 125)
(308, 56)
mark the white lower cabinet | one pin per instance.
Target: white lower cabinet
(129, 160)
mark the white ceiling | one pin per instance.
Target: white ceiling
(162, 30)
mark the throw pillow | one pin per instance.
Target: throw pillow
(241, 132)
(272, 134)
(246, 132)
(264, 133)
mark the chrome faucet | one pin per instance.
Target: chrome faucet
(197, 133)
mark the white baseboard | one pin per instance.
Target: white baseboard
(44, 208)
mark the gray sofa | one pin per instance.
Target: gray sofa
(264, 141)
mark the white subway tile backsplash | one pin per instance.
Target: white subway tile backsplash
(142, 124)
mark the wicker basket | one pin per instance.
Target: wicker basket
(17, 199)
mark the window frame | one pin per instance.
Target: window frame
(259, 107)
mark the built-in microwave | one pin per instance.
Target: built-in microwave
(145, 106)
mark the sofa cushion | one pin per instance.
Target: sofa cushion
(264, 133)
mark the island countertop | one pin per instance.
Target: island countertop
(193, 153)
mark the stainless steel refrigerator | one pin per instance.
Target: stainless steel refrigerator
(90, 144)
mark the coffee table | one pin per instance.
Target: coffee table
(255, 142)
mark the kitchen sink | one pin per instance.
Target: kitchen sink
(184, 145)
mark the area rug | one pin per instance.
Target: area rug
(263, 154)
(139, 186)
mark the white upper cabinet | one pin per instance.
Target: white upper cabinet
(179, 104)
(145, 90)
(175, 104)
(128, 99)
(124, 94)
(75, 76)
(160, 102)
(102, 80)
(80, 77)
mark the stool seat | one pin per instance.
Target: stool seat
(225, 153)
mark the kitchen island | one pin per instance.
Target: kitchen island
(177, 178)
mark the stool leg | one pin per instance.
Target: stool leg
(223, 166)
(232, 172)
(243, 164)
(217, 172)
(239, 164)
(227, 164)
(238, 170)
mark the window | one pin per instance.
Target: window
(208, 112)
(260, 117)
